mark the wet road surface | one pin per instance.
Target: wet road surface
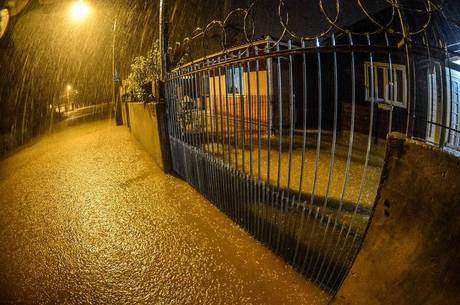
(87, 218)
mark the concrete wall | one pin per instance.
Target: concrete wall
(411, 252)
(145, 128)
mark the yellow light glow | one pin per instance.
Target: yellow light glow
(69, 87)
(80, 11)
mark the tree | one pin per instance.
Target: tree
(144, 70)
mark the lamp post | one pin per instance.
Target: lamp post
(164, 33)
(160, 106)
(68, 89)
(116, 78)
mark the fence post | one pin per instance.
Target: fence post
(410, 69)
(161, 108)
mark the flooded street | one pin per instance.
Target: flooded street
(307, 144)
(86, 217)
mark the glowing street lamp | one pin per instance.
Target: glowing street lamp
(68, 89)
(80, 11)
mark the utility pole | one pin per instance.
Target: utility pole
(161, 108)
(116, 78)
(113, 63)
(164, 33)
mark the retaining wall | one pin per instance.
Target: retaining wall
(145, 126)
(410, 255)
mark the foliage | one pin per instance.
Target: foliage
(144, 69)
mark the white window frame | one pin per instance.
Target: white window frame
(433, 114)
(386, 83)
(453, 118)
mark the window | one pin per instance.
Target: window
(235, 80)
(389, 86)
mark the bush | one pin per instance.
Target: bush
(144, 70)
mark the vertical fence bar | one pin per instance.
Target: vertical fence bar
(211, 110)
(331, 170)
(222, 111)
(268, 63)
(280, 119)
(250, 110)
(260, 203)
(235, 122)
(347, 174)
(197, 99)
(303, 160)
(318, 153)
(350, 254)
(451, 98)
(392, 88)
(291, 118)
(259, 132)
(216, 112)
(280, 143)
(227, 115)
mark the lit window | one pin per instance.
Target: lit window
(390, 88)
(234, 80)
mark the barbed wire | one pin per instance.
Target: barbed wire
(398, 12)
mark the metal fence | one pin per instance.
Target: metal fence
(287, 136)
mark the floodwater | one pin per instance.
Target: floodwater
(86, 217)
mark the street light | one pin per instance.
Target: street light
(68, 90)
(80, 12)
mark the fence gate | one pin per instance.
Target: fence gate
(287, 137)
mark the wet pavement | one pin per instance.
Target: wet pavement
(86, 217)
